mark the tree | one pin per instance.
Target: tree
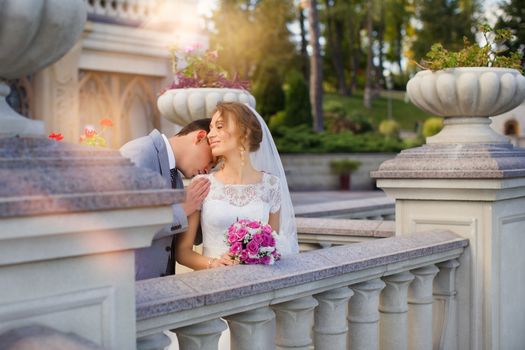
(513, 18)
(253, 34)
(335, 13)
(397, 27)
(316, 71)
(445, 22)
(367, 96)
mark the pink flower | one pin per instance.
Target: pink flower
(244, 256)
(254, 224)
(232, 237)
(258, 238)
(241, 233)
(267, 240)
(236, 248)
(265, 260)
(267, 229)
(252, 247)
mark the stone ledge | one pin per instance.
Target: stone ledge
(344, 207)
(342, 227)
(40, 176)
(161, 296)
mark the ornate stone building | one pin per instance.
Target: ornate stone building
(115, 71)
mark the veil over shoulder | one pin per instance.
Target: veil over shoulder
(267, 159)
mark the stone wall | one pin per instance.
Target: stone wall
(311, 172)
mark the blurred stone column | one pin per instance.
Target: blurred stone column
(70, 219)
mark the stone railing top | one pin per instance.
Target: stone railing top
(344, 227)
(42, 176)
(455, 161)
(167, 295)
(346, 206)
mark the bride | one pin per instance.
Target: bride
(249, 185)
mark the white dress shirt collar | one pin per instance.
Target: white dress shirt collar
(171, 156)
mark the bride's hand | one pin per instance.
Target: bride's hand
(224, 260)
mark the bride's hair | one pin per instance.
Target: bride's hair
(243, 118)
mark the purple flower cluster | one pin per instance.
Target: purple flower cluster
(201, 69)
(252, 242)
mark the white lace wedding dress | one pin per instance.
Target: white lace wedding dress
(227, 203)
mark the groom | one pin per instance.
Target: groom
(189, 153)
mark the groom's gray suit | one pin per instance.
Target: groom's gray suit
(150, 152)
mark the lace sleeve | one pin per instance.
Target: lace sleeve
(275, 194)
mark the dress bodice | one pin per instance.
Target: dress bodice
(227, 203)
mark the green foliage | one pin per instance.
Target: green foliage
(513, 18)
(389, 128)
(405, 113)
(302, 139)
(473, 55)
(432, 126)
(298, 109)
(276, 120)
(344, 166)
(338, 120)
(269, 93)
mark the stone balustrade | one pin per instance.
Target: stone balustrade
(373, 208)
(315, 233)
(127, 10)
(354, 296)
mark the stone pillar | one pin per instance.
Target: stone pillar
(363, 315)
(294, 323)
(476, 190)
(153, 342)
(420, 301)
(56, 99)
(330, 326)
(70, 219)
(445, 315)
(393, 310)
(252, 329)
(201, 336)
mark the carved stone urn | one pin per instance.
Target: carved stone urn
(466, 97)
(33, 34)
(182, 106)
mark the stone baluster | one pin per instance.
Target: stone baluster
(393, 309)
(330, 326)
(420, 301)
(252, 329)
(445, 317)
(294, 323)
(363, 315)
(153, 342)
(201, 336)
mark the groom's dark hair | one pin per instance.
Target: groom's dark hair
(199, 124)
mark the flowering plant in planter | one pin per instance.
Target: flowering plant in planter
(200, 70)
(492, 54)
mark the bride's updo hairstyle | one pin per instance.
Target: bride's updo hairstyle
(244, 120)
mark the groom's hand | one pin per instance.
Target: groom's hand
(195, 194)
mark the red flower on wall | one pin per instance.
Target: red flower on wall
(56, 137)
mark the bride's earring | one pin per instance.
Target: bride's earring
(242, 156)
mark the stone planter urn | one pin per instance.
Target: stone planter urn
(181, 106)
(34, 34)
(466, 97)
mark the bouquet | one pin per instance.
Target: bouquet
(251, 242)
